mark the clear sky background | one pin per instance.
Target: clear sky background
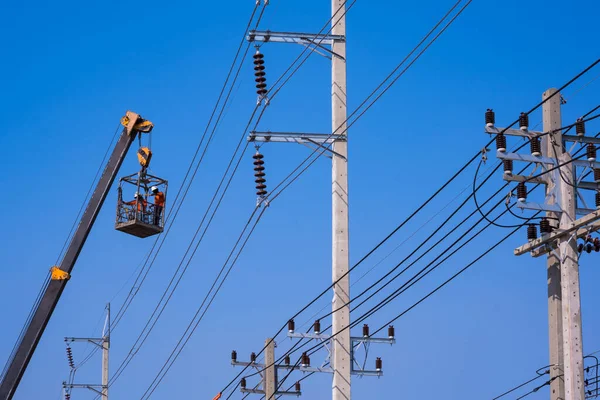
(70, 70)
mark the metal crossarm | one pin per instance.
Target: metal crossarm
(293, 37)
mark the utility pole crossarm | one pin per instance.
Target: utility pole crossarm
(583, 226)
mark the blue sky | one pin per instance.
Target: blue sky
(70, 72)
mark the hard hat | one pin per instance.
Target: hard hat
(154, 189)
(136, 195)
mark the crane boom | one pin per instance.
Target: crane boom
(134, 125)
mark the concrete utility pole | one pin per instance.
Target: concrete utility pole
(270, 371)
(340, 252)
(551, 144)
(105, 349)
(560, 243)
(103, 343)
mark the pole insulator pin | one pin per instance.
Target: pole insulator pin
(508, 167)
(591, 152)
(545, 226)
(531, 232)
(366, 330)
(536, 147)
(524, 121)
(490, 117)
(580, 127)
(521, 192)
(501, 142)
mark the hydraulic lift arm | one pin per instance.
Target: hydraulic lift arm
(134, 125)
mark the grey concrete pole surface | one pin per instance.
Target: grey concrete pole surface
(552, 146)
(340, 245)
(105, 350)
(270, 383)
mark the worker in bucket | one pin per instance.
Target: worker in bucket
(159, 204)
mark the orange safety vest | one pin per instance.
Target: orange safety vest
(142, 205)
(159, 199)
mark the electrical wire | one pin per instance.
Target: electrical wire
(136, 286)
(185, 183)
(533, 109)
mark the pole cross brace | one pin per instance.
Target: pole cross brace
(253, 391)
(292, 137)
(367, 373)
(373, 340)
(581, 139)
(540, 246)
(278, 393)
(523, 178)
(304, 39)
(302, 368)
(247, 364)
(317, 139)
(293, 37)
(539, 207)
(525, 157)
(492, 130)
(308, 336)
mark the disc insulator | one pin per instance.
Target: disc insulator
(524, 121)
(234, 356)
(490, 117)
(297, 386)
(378, 364)
(598, 200)
(521, 191)
(580, 127)
(531, 232)
(259, 174)
(259, 73)
(243, 383)
(317, 326)
(501, 142)
(291, 326)
(253, 357)
(597, 175)
(365, 330)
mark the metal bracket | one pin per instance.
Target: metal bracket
(317, 139)
(492, 130)
(525, 157)
(542, 245)
(305, 39)
(539, 207)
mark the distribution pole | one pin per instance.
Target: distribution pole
(340, 245)
(105, 349)
(270, 378)
(552, 144)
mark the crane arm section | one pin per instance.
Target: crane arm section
(133, 125)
